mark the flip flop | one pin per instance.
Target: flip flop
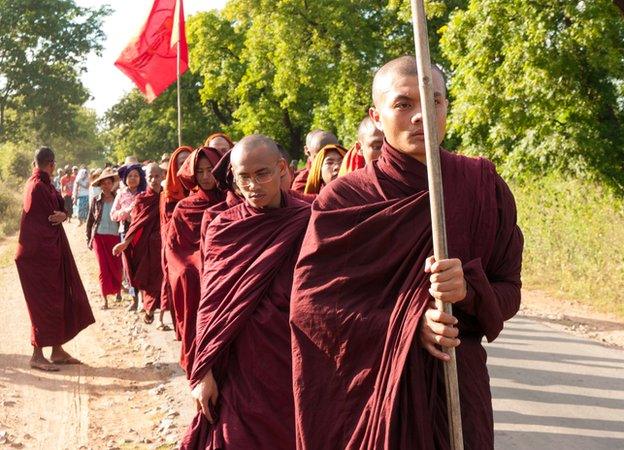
(44, 367)
(148, 318)
(66, 361)
(163, 327)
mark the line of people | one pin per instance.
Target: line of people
(304, 301)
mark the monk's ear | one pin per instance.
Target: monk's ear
(281, 164)
(358, 146)
(374, 115)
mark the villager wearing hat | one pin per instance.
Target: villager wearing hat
(103, 235)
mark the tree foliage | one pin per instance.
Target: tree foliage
(538, 85)
(43, 47)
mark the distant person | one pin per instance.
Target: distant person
(315, 141)
(67, 192)
(142, 244)
(57, 302)
(103, 235)
(367, 148)
(94, 190)
(133, 182)
(81, 194)
(57, 179)
(325, 168)
(220, 142)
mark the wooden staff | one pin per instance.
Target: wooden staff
(436, 199)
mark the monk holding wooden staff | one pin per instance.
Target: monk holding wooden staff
(57, 302)
(364, 329)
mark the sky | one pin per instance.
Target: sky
(106, 83)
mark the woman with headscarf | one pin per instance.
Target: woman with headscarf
(81, 194)
(173, 192)
(103, 235)
(325, 167)
(220, 142)
(181, 245)
(134, 182)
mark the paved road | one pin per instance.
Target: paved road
(555, 391)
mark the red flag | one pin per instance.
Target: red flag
(150, 59)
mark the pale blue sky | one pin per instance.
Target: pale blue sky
(106, 83)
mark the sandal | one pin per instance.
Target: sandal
(163, 327)
(148, 318)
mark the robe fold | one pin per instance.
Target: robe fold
(143, 255)
(242, 327)
(181, 249)
(353, 160)
(173, 192)
(360, 373)
(55, 297)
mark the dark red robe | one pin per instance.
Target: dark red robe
(301, 178)
(57, 302)
(360, 374)
(143, 255)
(181, 249)
(242, 327)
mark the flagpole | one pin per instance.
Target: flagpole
(179, 101)
(436, 199)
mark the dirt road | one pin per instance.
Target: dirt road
(552, 390)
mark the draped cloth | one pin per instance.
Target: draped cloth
(143, 255)
(181, 248)
(110, 265)
(55, 297)
(359, 372)
(300, 180)
(242, 327)
(353, 160)
(172, 193)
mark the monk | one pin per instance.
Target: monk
(142, 243)
(325, 168)
(367, 148)
(220, 142)
(315, 141)
(55, 297)
(241, 377)
(366, 365)
(181, 245)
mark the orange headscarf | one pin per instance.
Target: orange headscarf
(174, 190)
(222, 135)
(315, 179)
(353, 160)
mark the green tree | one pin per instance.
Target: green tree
(147, 130)
(538, 85)
(43, 47)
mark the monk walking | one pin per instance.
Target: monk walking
(364, 330)
(142, 243)
(57, 302)
(181, 245)
(241, 377)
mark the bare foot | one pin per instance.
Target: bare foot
(40, 363)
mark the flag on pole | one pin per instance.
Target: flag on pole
(150, 59)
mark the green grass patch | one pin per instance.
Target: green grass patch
(10, 208)
(574, 241)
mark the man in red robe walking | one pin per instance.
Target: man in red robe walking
(241, 377)
(57, 302)
(365, 335)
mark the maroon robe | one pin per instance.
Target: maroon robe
(57, 302)
(242, 327)
(301, 178)
(360, 373)
(181, 250)
(143, 255)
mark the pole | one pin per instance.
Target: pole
(179, 101)
(436, 199)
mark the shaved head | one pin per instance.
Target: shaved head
(254, 143)
(310, 135)
(319, 140)
(366, 128)
(404, 66)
